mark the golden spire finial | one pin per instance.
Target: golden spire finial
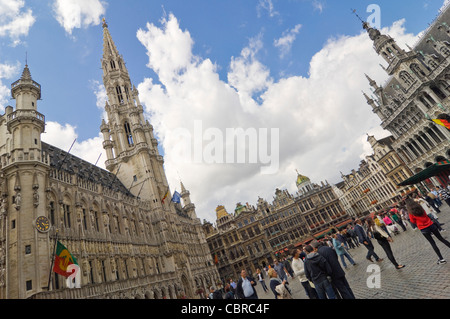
(105, 25)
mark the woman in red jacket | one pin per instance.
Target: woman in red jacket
(418, 216)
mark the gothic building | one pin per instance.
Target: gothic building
(129, 239)
(416, 91)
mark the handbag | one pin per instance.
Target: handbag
(282, 292)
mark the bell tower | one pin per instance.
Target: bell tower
(130, 145)
(24, 173)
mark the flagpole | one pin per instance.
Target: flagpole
(53, 260)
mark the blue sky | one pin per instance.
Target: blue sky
(237, 44)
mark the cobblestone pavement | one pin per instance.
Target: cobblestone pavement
(422, 278)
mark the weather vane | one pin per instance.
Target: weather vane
(354, 12)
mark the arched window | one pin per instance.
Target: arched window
(128, 133)
(417, 70)
(406, 78)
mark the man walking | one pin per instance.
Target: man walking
(365, 240)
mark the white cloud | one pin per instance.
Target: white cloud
(285, 42)
(318, 5)
(247, 75)
(76, 14)
(322, 119)
(7, 71)
(266, 5)
(14, 20)
(101, 96)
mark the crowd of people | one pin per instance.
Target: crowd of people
(320, 265)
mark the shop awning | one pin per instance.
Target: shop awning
(428, 172)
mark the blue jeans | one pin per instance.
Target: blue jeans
(370, 250)
(342, 286)
(324, 289)
(350, 259)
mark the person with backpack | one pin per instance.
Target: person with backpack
(215, 294)
(228, 292)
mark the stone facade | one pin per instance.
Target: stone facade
(416, 92)
(129, 238)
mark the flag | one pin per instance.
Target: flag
(176, 198)
(442, 122)
(165, 196)
(63, 258)
(216, 260)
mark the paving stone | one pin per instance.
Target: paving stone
(422, 278)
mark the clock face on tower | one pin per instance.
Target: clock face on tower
(42, 223)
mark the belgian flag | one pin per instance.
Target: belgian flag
(442, 122)
(63, 258)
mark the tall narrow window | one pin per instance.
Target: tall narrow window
(119, 94)
(84, 219)
(113, 65)
(127, 93)
(52, 213)
(128, 134)
(104, 271)
(66, 215)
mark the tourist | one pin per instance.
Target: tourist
(228, 292)
(215, 293)
(427, 208)
(282, 272)
(261, 279)
(318, 270)
(275, 283)
(383, 239)
(419, 217)
(352, 235)
(437, 201)
(245, 287)
(380, 222)
(444, 194)
(340, 250)
(299, 271)
(365, 240)
(339, 283)
(397, 217)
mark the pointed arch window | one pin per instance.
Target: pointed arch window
(128, 133)
(406, 77)
(119, 94)
(113, 64)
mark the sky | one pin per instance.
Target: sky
(290, 71)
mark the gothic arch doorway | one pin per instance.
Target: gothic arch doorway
(186, 286)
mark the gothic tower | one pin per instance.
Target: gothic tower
(401, 63)
(24, 178)
(130, 145)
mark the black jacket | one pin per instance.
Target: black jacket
(332, 258)
(316, 267)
